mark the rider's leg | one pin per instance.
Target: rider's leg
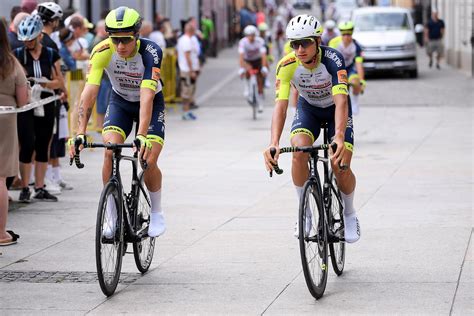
(111, 209)
(355, 91)
(260, 82)
(153, 178)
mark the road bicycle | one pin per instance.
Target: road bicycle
(252, 86)
(128, 225)
(320, 219)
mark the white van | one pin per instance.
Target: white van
(387, 37)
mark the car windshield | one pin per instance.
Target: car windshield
(381, 22)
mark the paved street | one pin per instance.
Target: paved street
(229, 248)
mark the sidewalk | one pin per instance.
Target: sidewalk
(229, 248)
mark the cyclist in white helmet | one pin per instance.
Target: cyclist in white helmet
(319, 75)
(330, 32)
(253, 55)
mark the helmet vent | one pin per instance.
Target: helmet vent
(120, 13)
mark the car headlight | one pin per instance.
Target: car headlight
(409, 46)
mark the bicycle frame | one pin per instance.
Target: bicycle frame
(129, 201)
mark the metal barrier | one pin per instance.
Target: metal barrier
(168, 71)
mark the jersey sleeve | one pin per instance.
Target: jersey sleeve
(285, 69)
(99, 60)
(152, 56)
(56, 56)
(334, 63)
(241, 46)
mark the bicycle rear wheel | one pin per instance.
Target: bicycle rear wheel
(254, 99)
(337, 249)
(144, 249)
(313, 240)
(109, 242)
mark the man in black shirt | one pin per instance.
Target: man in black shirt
(434, 33)
(12, 33)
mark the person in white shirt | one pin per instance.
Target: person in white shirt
(188, 62)
(158, 37)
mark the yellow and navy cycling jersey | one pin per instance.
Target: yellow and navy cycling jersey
(127, 75)
(352, 54)
(318, 85)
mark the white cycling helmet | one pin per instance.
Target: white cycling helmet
(30, 28)
(250, 30)
(49, 11)
(302, 26)
(330, 25)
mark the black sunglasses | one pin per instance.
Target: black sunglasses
(122, 39)
(305, 43)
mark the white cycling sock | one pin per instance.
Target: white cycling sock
(108, 228)
(155, 198)
(57, 174)
(355, 104)
(299, 192)
(348, 200)
(157, 221)
(49, 173)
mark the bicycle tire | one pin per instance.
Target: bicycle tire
(254, 101)
(316, 238)
(337, 250)
(143, 250)
(107, 275)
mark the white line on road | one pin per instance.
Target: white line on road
(203, 98)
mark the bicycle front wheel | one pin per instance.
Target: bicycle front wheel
(254, 98)
(143, 250)
(109, 242)
(313, 240)
(337, 248)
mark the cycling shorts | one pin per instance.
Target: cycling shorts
(121, 114)
(308, 120)
(255, 64)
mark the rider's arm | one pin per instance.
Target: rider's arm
(263, 53)
(146, 109)
(359, 59)
(278, 121)
(100, 58)
(151, 83)
(86, 103)
(340, 116)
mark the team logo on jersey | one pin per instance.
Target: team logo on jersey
(342, 76)
(288, 61)
(154, 52)
(155, 73)
(333, 56)
(277, 84)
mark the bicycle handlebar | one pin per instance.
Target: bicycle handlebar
(305, 149)
(77, 160)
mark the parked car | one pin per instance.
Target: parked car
(387, 37)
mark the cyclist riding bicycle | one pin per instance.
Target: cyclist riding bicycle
(253, 55)
(319, 75)
(352, 53)
(133, 66)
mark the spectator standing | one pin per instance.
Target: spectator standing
(80, 53)
(434, 33)
(105, 85)
(207, 36)
(146, 29)
(13, 92)
(28, 6)
(188, 61)
(36, 125)
(12, 33)
(158, 37)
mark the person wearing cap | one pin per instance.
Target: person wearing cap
(133, 65)
(352, 52)
(319, 74)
